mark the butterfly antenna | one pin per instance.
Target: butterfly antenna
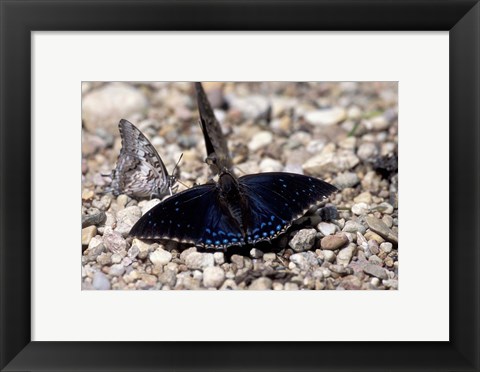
(237, 167)
(180, 182)
(176, 165)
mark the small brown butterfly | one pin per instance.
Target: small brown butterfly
(140, 171)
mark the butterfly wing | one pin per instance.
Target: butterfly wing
(215, 141)
(140, 171)
(195, 216)
(277, 199)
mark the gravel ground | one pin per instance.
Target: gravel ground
(344, 133)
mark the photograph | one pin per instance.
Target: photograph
(239, 185)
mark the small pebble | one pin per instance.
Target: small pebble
(219, 258)
(303, 240)
(160, 257)
(332, 242)
(353, 227)
(117, 270)
(360, 208)
(197, 260)
(261, 284)
(381, 229)
(376, 271)
(100, 281)
(327, 228)
(386, 247)
(329, 256)
(213, 277)
(345, 255)
(260, 140)
(256, 253)
(269, 256)
(364, 197)
(291, 286)
(87, 234)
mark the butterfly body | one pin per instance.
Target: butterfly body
(140, 171)
(233, 211)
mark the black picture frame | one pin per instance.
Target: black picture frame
(18, 18)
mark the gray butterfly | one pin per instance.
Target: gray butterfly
(140, 171)
(218, 157)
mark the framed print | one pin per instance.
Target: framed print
(98, 106)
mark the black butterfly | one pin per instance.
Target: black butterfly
(218, 157)
(233, 211)
(140, 171)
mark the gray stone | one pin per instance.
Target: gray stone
(376, 271)
(200, 261)
(105, 106)
(330, 163)
(100, 281)
(388, 220)
(327, 228)
(381, 229)
(367, 151)
(133, 252)
(304, 260)
(390, 283)
(364, 197)
(379, 123)
(374, 259)
(126, 218)
(386, 247)
(326, 117)
(168, 277)
(213, 277)
(348, 143)
(87, 234)
(270, 165)
(160, 257)
(116, 258)
(117, 270)
(143, 248)
(149, 205)
(104, 258)
(329, 256)
(122, 201)
(256, 253)
(93, 218)
(229, 284)
(289, 286)
(219, 258)
(332, 242)
(370, 235)
(353, 227)
(373, 247)
(339, 269)
(360, 208)
(385, 208)
(238, 261)
(303, 240)
(346, 180)
(260, 140)
(187, 252)
(351, 282)
(114, 242)
(269, 256)
(345, 255)
(261, 284)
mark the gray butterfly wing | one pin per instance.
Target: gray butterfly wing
(217, 151)
(140, 171)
